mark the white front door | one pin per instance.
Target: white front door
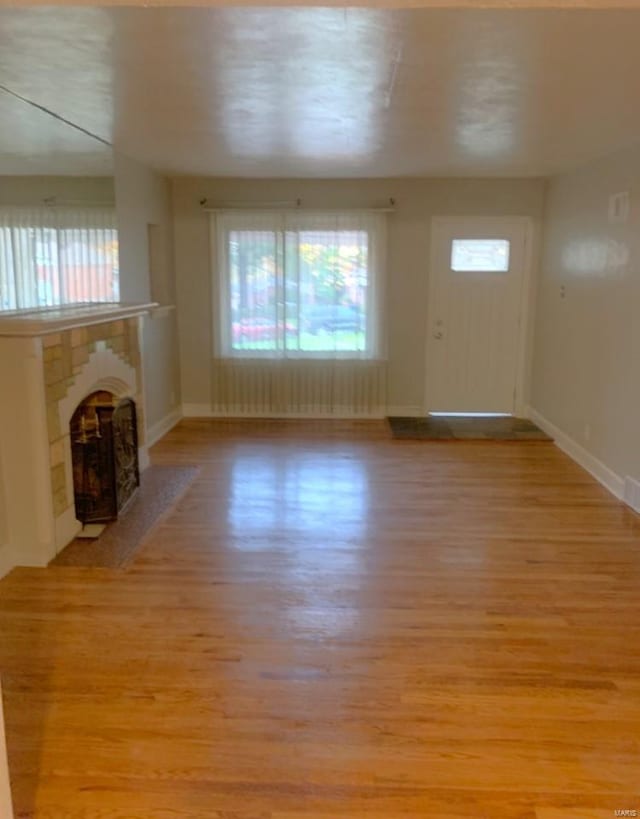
(475, 306)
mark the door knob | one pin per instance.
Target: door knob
(438, 335)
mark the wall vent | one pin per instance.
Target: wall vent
(632, 493)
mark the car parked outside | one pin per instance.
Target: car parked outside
(257, 329)
(332, 317)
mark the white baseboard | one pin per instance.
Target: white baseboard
(158, 430)
(67, 527)
(197, 411)
(143, 458)
(632, 493)
(6, 809)
(6, 562)
(206, 411)
(339, 414)
(594, 466)
(406, 411)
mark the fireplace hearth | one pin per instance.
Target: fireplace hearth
(104, 449)
(51, 363)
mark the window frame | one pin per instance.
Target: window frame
(59, 220)
(298, 221)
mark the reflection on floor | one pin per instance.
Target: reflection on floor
(331, 624)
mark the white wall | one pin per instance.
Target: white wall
(5, 555)
(32, 190)
(6, 810)
(587, 342)
(417, 201)
(142, 199)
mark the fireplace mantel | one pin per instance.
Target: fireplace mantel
(46, 320)
(50, 361)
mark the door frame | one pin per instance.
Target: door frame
(526, 301)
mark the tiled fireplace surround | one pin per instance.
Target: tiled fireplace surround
(45, 376)
(72, 360)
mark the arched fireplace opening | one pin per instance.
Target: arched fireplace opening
(104, 448)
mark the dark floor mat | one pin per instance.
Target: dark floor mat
(452, 428)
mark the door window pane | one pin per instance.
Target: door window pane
(480, 255)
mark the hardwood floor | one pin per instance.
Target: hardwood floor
(331, 624)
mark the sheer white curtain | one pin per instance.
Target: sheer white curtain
(300, 284)
(51, 256)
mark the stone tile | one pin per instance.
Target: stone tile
(55, 392)
(57, 450)
(117, 344)
(58, 477)
(52, 353)
(51, 340)
(67, 367)
(79, 336)
(79, 356)
(53, 421)
(60, 502)
(96, 332)
(53, 371)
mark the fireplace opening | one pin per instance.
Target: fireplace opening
(104, 448)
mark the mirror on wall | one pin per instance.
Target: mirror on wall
(58, 231)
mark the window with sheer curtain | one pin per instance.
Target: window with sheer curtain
(299, 284)
(54, 256)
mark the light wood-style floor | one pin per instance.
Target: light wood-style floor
(330, 625)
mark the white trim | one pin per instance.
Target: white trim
(67, 525)
(6, 559)
(632, 493)
(595, 467)
(143, 458)
(525, 306)
(44, 320)
(405, 411)
(339, 414)
(222, 221)
(158, 430)
(161, 311)
(6, 809)
(286, 207)
(527, 316)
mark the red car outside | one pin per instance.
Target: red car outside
(257, 329)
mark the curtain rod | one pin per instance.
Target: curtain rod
(53, 201)
(292, 204)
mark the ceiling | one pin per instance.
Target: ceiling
(328, 92)
(34, 143)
